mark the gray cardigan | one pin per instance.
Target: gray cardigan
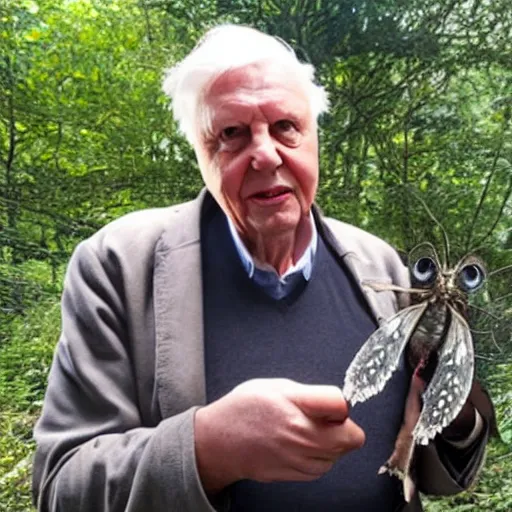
(116, 431)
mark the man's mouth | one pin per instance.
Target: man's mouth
(271, 193)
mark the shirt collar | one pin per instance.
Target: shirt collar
(304, 264)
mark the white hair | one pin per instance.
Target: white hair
(228, 47)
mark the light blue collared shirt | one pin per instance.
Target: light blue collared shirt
(274, 285)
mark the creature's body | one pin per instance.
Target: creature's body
(428, 335)
(437, 342)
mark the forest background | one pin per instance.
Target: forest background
(420, 119)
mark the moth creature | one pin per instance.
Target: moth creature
(436, 339)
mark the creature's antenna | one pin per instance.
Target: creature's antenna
(494, 272)
(432, 248)
(432, 216)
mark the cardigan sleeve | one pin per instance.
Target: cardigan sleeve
(93, 452)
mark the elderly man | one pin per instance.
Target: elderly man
(203, 345)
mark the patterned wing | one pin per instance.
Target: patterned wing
(451, 383)
(378, 358)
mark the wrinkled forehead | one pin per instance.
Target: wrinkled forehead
(259, 82)
(252, 77)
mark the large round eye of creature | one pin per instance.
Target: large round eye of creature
(424, 272)
(471, 278)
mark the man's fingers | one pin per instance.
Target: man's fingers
(320, 402)
(341, 438)
(353, 437)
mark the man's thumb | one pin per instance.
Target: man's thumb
(321, 402)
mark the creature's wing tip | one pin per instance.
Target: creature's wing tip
(450, 385)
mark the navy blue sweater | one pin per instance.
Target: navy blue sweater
(311, 337)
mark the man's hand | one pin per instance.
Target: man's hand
(273, 430)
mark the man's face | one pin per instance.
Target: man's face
(259, 152)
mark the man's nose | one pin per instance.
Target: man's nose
(265, 156)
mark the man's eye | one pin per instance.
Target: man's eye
(233, 138)
(287, 132)
(285, 125)
(231, 132)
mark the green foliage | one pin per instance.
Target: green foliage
(500, 382)
(15, 494)
(25, 360)
(22, 285)
(421, 102)
(24, 365)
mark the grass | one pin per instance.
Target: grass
(27, 342)
(16, 448)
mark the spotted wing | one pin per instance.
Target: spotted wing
(378, 358)
(451, 383)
